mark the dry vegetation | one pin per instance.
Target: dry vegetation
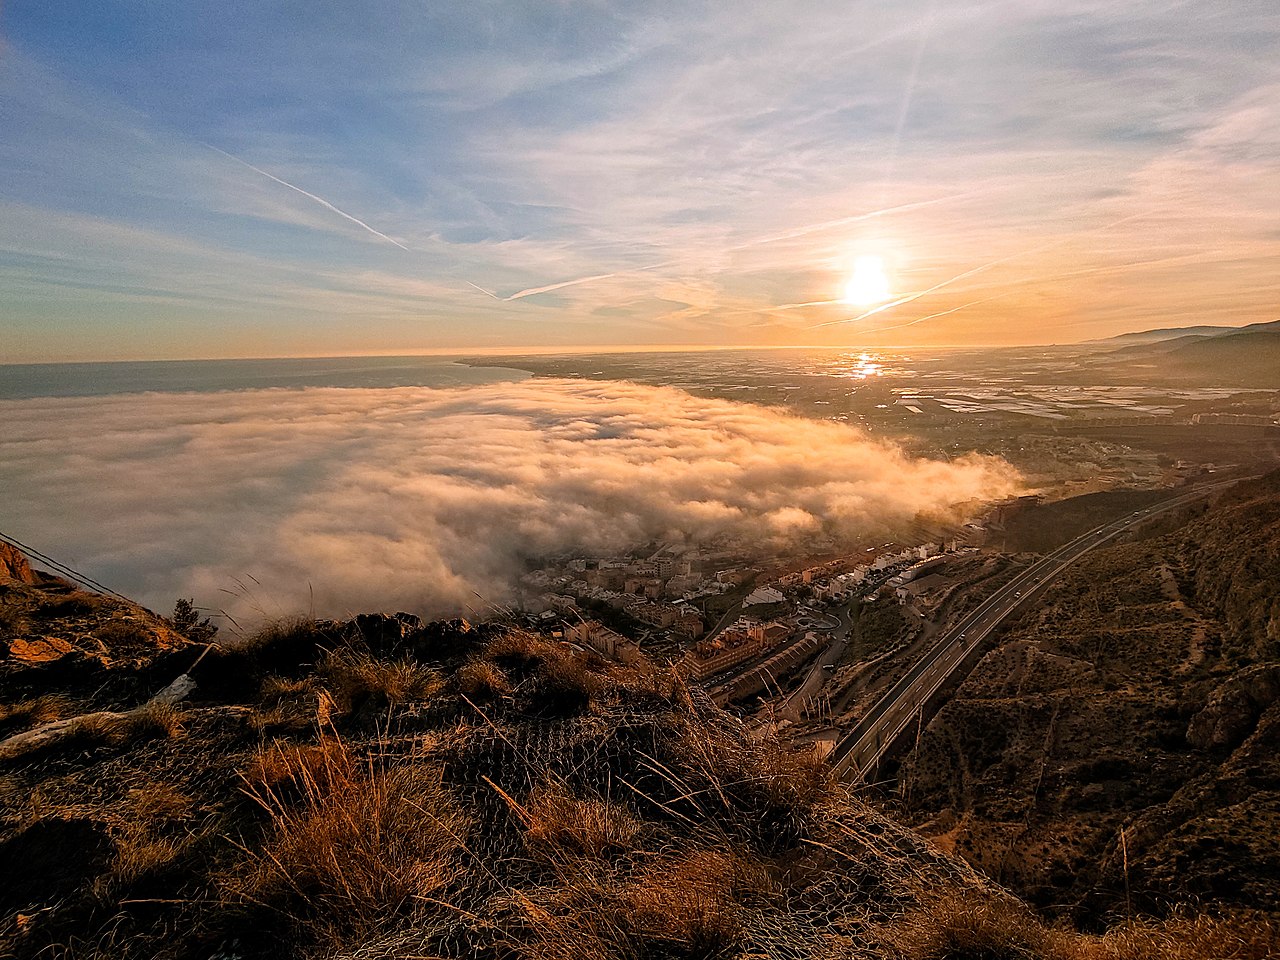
(387, 789)
(1143, 697)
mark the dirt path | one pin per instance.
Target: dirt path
(1199, 641)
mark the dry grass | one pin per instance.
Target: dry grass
(287, 706)
(961, 926)
(153, 721)
(285, 771)
(76, 603)
(356, 678)
(556, 821)
(551, 679)
(482, 680)
(360, 848)
(773, 794)
(159, 801)
(31, 713)
(688, 905)
(1238, 936)
(282, 638)
(122, 632)
(13, 620)
(141, 857)
(693, 901)
(519, 650)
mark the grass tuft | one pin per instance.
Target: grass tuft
(33, 712)
(359, 849)
(358, 680)
(482, 680)
(556, 821)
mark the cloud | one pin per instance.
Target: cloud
(419, 498)
(650, 148)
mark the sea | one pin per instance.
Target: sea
(26, 381)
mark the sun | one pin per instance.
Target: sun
(869, 285)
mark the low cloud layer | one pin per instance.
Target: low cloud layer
(418, 499)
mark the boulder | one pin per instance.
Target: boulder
(38, 649)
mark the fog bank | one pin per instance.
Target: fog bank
(343, 500)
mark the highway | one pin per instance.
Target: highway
(862, 748)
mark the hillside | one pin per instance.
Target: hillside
(1118, 748)
(1164, 334)
(1167, 335)
(385, 788)
(1247, 356)
(1251, 358)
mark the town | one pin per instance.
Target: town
(738, 627)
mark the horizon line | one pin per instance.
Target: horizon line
(582, 349)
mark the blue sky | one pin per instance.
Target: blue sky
(258, 179)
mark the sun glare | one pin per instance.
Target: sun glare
(869, 284)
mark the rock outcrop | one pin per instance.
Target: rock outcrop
(14, 565)
(1234, 708)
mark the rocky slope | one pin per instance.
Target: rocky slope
(387, 788)
(1118, 749)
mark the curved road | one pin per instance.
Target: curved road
(861, 749)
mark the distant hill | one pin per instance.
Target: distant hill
(1164, 333)
(1248, 358)
(1150, 347)
(1184, 334)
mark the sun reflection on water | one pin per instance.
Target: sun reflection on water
(864, 366)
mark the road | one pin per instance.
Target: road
(861, 749)
(818, 675)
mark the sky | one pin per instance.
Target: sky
(374, 176)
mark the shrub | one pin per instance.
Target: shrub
(694, 901)
(1246, 936)
(773, 793)
(12, 620)
(959, 927)
(121, 632)
(154, 721)
(285, 771)
(186, 621)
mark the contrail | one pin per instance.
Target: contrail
(573, 283)
(856, 218)
(487, 293)
(941, 313)
(758, 241)
(909, 92)
(320, 200)
(532, 291)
